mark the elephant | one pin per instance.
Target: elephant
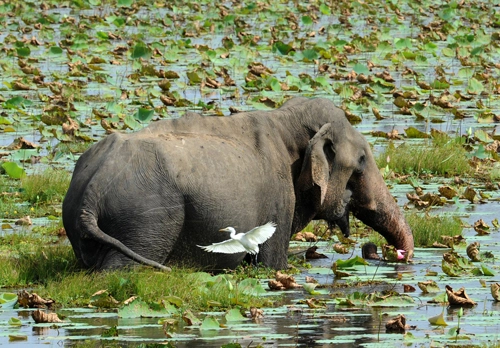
(152, 196)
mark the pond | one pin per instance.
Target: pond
(75, 71)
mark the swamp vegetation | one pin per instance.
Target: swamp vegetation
(418, 79)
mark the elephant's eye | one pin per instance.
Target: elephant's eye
(361, 164)
(329, 152)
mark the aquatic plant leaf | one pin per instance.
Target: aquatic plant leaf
(349, 263)
(14, 338)
(8, 300)
(487, 271)
(474, 86)
(361, 69)
(309, 287)
(234, 315)
(210, 323)
(310, 54)
(451, 269)
(438, 320)
(144, 115)
(13, 170)
(251, 286)
(495, 223)
(175, 300)
(15, 322)
(325, 9)
(141, 50)
(428, 286)
(412, 132)
(140, 309)
(392, 300)
(55, 50)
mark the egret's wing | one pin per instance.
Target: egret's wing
(260, 234)
(229, 246)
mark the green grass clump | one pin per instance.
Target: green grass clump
(426, 229)
(47, 187)
(443, 156)
(53, 271)
(429, 229)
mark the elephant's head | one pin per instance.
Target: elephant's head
(340, 175)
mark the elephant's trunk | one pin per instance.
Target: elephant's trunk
(374, 205)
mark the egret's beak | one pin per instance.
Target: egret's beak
(224, 229)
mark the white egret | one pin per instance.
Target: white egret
(242, 242)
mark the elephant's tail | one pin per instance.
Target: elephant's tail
(89, 227)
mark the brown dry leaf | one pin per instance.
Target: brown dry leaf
(412, 197)
(129, 300)
(385, 76)
(432, 199)
(481, 227)
(312, 254)
(256, 313)
(212, 83)
(469, 194)
(473, 252)
(459, 297)
(314, 303)
(408, 288)
(42, 317)
(33, 300)
(495, 291)
(286, 280)
(427, 285)
(451, 241)
(70, 127)
(103, 299)
(439, 245)
(447, 192)
(21, 143)
(306, 237)
(275, 285)
(341, 248)
(267, 102)
(24, 221)
(394, 135)
(397, 324)
(20, 86)
(167, 101)
(311, 280)
(259, 69)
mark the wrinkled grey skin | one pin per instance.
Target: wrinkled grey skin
(152, 196)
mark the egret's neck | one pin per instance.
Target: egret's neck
(233, 232)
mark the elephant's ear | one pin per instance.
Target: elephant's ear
(316, 166)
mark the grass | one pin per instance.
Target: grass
(47, 187)
(426, 229)
(35, 195)
(443, 156)
(53, 271)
